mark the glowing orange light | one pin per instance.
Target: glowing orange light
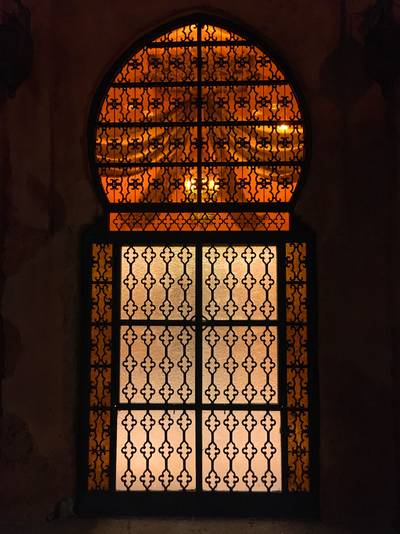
(156, 126)
(283, 129)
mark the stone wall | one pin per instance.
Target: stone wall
(350, 200)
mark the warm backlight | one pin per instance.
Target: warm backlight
(199, 115)
(241, 447)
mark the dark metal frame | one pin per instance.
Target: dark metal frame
(276, 504)
(282, 504)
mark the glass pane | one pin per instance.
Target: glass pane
(296, 345)
(155, 450)
(157, 364)
(249, 184)
(149, 184)
(298, 451)
(212, 33)
(146, 145)
(199, 222)
(241, 448)
(239, 283)
(149, 104)
(219, 102)
(159, 64)
(240, 365)
(99, 450)
(184, 33)
(241, 451)
(255, 143)
(249, 103)
(99, 438)
(157, 282)
(237, 63)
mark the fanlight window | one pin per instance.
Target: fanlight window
(199, 336)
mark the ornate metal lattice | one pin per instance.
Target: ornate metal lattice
(156, 450)
(238, 366)
(297, 366)
(198, 121)
(199, 222)
(199, 326)
(100, 367)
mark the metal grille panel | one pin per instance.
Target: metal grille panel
(200, 116)
(100, 367)
(239, 283)
(241, 451)
(157, 283)
(155, 450)
(157, 364)
(198, 222)
(199, 346)
(297, 374)
(240, 364)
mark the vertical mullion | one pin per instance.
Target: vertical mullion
(199, 284)
(282, 357)
(115, 362)
(199, 367)
(199, 118)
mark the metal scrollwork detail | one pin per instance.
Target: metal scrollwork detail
(200, 116)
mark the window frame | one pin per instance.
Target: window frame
(194, 503)
(211, 504)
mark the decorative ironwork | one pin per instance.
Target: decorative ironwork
(240, 364)
(201, 116)
(155, 450)
(241, 451)
(99, 450)
(239, 283)
(100, 367)
(297, 345)
(199, 222)
(297, 367)
(200, 362)
(298, 451)
(157, 283)
(157, 364)
(229, 183)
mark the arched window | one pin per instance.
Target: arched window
(199, 336)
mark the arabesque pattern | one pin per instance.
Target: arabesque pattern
(200, 358)
(160, 367)
(239, 283)
(155, 450)
(157, 364)
(200, 116)
(297, 367)
(100, 367)
(241, 451)
(199, 222)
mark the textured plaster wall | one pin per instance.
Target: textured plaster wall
(349, 200)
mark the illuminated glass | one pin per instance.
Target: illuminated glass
(157, 366)
(199, 325)
(199, 117)
(242, 451)
(155, 450)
